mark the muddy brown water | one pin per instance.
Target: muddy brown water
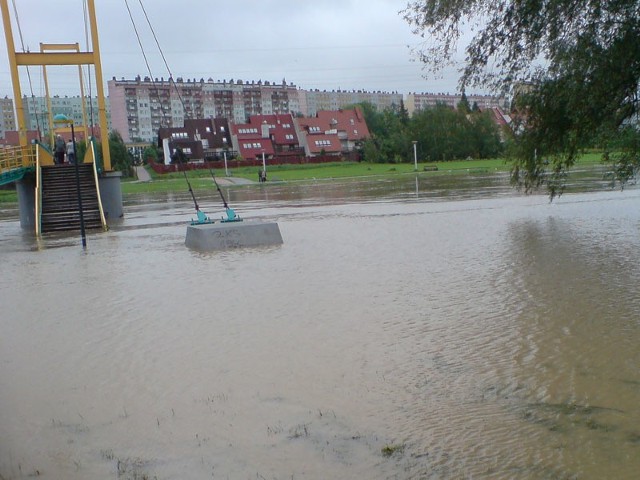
(403, 330)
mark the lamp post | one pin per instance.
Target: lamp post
(415, 155)
(226, 170)
(264, 166)
(63, 119)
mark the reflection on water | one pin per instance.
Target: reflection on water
(395, 334)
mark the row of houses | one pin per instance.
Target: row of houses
(276, 136)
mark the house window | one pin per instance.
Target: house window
(208, 129)
(222, 129)
(355, 132)
(288, 136)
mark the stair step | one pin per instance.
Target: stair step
(60, 198)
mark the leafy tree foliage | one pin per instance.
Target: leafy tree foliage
(150, 152)
(442, 134)
(121, 159)
(585, 85)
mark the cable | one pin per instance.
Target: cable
(163, 57)
(33, 97)
(86, 39)
(135, 29)
(179, 154)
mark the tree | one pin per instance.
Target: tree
(150, 153)
(121, 159)
(463, 104)
(580, 60)
(447, 134)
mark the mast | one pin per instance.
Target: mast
(15, 78)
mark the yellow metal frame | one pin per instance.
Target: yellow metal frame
(48, 47)
(45, 58)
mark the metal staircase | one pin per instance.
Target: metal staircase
(60, 198)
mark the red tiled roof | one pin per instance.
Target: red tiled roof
(252, 148)
(246, 130)
(349, 121)
(313, 125)
(328, 143)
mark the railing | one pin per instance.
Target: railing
(38, 193)
(103, 219)
(15, 160)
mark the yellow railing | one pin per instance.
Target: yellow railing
(38, 193)
(91, 155)
(12, 158)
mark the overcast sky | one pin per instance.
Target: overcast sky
(324, 44)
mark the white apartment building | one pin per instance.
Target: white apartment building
(417, 102)
(318, 100)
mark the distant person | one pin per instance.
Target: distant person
(71, 154)
(59, 150)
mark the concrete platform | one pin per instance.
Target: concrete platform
(223, 236)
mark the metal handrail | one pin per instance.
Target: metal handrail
(103, 219)
(12, 158)
(38, 194)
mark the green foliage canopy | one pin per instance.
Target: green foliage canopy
(585, 84)
(121, 159)
(442, 134)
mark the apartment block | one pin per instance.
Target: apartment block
(317, 100)
(416, 102)
(140, 107)
(37, 117)
(7, 116)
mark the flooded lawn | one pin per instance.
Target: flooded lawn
(405, 329)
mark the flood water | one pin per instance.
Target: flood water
(432, 329)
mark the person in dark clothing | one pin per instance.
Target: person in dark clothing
(59, 150)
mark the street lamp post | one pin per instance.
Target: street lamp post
(226, 170)
(264, 166)
(415, 155)
(63, 119)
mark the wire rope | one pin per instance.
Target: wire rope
(35, 109)
(146, 61)
(89, 83)
(179, 153)
(171, 80)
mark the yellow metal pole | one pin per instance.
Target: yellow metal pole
(15, 78)
(82, 104)
(102, 112)
(46, 92)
